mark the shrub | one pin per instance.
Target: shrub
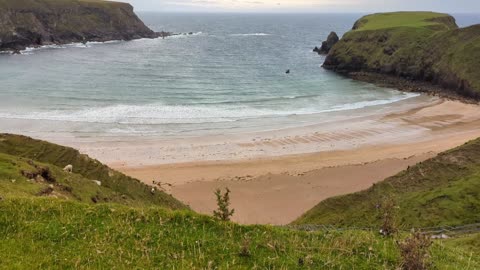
(223, 211)
(388, 214)
(414, 252)
(245, 248)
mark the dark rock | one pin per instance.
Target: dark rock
(328, 44)
(95, 199)
(164, 34)
(33, 23)
(40, 174)
(389, 50)
(46, 191)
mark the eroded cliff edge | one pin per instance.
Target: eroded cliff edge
(25, 23)
(422, 47)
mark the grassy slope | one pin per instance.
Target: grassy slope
(67, 230)
(400, 19)
(44, 4)
(470, 243)
(16, 152)
(418, 45)
(57, 234)
(444, 190)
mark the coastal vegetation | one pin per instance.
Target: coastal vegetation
(442, 191)
(223, 211)
(416, 46)
(67, 220)
(22, 160)
(58, 234)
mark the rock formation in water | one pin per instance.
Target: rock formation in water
(328, 44)
(25, 23)
(416, 46)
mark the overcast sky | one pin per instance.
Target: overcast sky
(451, 6)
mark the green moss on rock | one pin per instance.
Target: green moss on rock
(421, 46)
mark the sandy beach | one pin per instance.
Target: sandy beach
(276, 176)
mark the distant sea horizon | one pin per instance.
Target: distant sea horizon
(227, 76)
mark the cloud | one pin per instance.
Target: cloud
(262, 5)
(306, 5)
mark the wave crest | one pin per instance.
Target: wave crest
(157, 114)
(250, 34)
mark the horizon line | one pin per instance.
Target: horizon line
(298, 12)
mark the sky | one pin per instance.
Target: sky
(320, 6)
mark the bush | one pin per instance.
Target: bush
(388, 214)
(414, 252)
(223, 211)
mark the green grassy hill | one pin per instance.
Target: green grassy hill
(432, 20)
(444, 190)
(23, 158)
(56, 234)
(51, 219)
(422, 46)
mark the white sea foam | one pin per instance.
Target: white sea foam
(147, 114)
(30, 50)
(157, 114)
(250, 34)
(185, 35)
(364, 104)
(89, 44)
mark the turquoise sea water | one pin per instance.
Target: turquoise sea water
(228, 76)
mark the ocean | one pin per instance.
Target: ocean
(228, 76)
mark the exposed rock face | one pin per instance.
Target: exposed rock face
(439, 53)
(328, 44)
(25, 23)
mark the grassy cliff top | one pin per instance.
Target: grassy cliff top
(34, 168)
(405, 19)
(441, 191)
(42, 4)
(417, 46)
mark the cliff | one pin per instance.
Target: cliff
(417, 46)
(25, 23)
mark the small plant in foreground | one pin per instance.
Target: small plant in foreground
(223, 211)
(388, 214)
(414, 252)
(245, 248)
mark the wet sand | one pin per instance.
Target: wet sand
(275, 176)
(277, 190)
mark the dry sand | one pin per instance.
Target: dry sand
(276, 176)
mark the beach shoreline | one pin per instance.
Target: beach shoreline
(278, 189)
(275, 176)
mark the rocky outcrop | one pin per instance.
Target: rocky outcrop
(25, 23)
(433, 50)
(328, 44)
